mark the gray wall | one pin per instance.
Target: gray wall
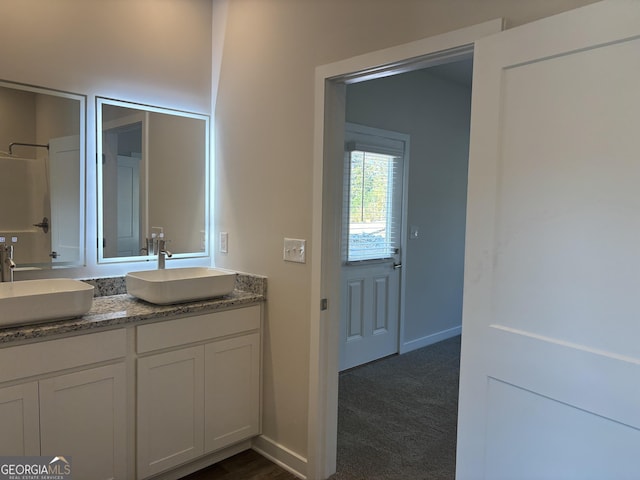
(435, 113)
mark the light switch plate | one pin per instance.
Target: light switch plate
(295, 250)
(224, 242)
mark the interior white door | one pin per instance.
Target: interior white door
(109, 193)
(373, 213)
(550, 353)
(64, 183)
(128, 206)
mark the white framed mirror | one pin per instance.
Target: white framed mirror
(42, 180)
(153, 179)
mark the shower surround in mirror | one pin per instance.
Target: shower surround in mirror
(42, 175)
(153, 178)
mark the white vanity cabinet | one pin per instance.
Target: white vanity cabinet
(73, 407)
(198, 386)
(83, 415)
(170, 409)
(19, 419)
(231, 391)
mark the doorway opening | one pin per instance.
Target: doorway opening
(398, 415)
(431, 107)
(332, 82)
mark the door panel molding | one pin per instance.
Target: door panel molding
(381, 299)
(355, 309)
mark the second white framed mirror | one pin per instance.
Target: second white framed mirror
(153, 178)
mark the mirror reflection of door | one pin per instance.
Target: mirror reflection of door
(128, 205)
(124, 193)
(65, 197)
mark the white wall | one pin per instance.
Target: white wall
(18, 119)
(264, 137)
(145, 51)
(156, 52)
(436, 114)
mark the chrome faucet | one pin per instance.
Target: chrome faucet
(6, 263)
(162, 253)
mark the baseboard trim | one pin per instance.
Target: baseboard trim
(430, 339)
(202, 462)
(281, 456)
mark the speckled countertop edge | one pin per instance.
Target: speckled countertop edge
(121, 309)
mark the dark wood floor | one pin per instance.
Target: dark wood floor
(247, 465)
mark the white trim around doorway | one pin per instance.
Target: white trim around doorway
(330, 87)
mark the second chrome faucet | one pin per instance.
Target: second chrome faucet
(162, 253)
(6, 263)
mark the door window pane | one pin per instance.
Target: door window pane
(371, 232)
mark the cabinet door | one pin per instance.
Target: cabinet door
(170, 409)
(83, 416)
(20, 429)
(232, 391)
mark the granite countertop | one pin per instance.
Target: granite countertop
(123, 309)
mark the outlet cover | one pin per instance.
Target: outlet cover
(295, 250)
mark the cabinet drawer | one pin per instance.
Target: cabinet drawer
(183, 331)
(50, 356)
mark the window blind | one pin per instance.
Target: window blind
(373, 183)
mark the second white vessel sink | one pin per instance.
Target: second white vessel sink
(31, 301)
(180, 285)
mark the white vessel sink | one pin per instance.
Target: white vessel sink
(179, 285)
(30, 301)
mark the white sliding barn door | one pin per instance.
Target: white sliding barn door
(550, 372)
